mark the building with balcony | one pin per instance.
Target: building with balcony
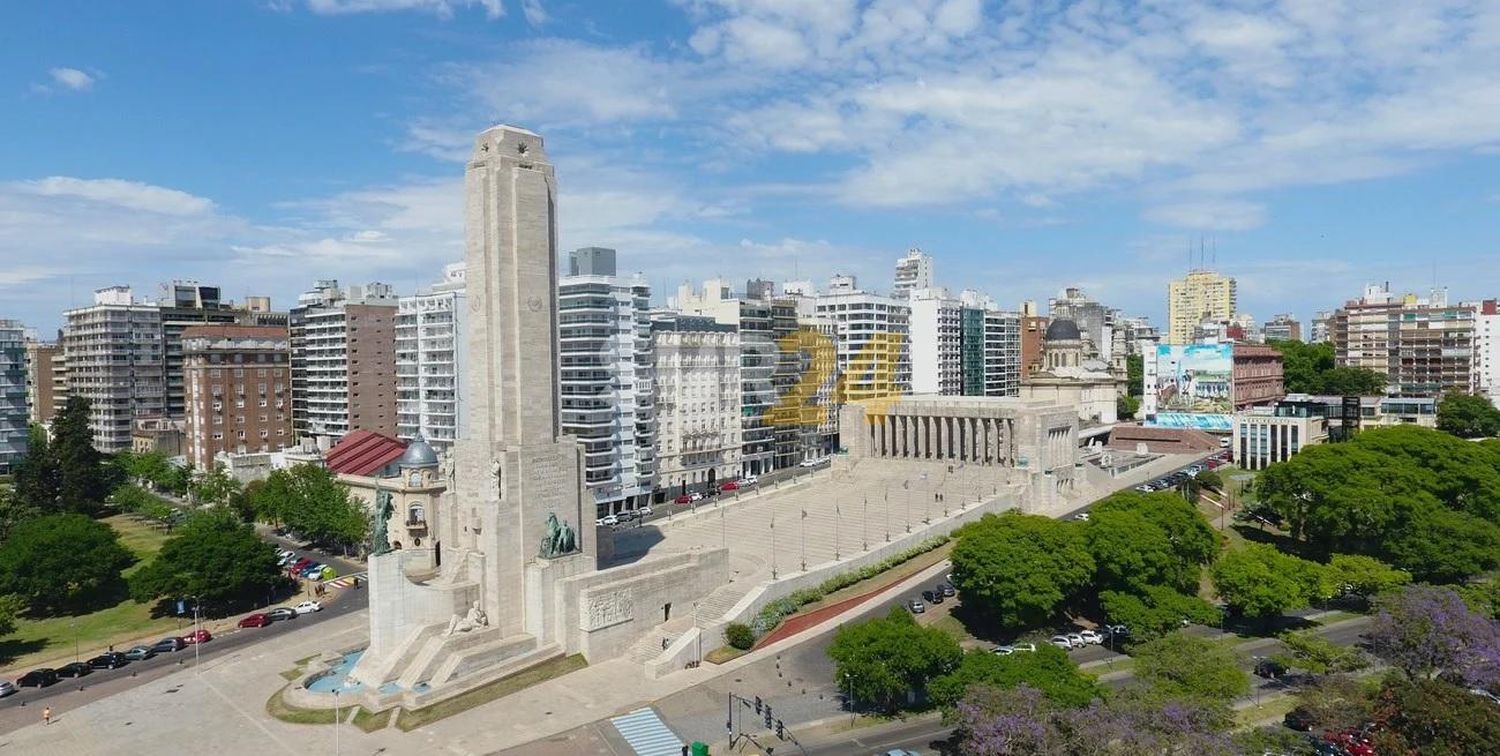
(1423, 345)
(608, 392)
(872, 333)
(914, 272)
(1257, 375)
(1486, 368)
(1283, 327)
(1095, 322)
(697, 376)
(936, 336)
(114, 352)
(238, 382)
(431, 349)
(13, 413)
(1201, 295)
(46, 381)
(343, 351)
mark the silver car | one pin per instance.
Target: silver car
(7, 688)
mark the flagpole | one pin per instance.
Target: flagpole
(864, 526)
(773, 542)
(836, 517)
(804, 540)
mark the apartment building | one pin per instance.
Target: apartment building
(872, 333)
(1094, 320)
(914, 272)
(1423, 345)
(343, 360)
(1002, 352)
(1257, 375)
(1201, 295)
(14, 416)
(608, 394)
(697, 389)
(1033, 343)
(936, 343)
(1283, 327)
(759, 358)
(46, 381)
(1318, 333)
(115, 357)
(1486, 368)
(184, 304)
(431, 350)
(238, 384)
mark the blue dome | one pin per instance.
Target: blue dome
(419, 453)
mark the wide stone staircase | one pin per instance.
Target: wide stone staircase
(649, 646)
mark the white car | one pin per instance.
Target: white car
(308, 607)
(1061, 641)
(644, 511)
(1089, 636)
(1003, 650)
(609, 520)
(1081, 517)
(1024, 646)
(1077, 640)
(811, 462)
(749, 480)
(696, 496)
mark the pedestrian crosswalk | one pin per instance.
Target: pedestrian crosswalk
(647, 734)
(346, 581)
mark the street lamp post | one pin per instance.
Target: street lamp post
(864, 526)
(197, 636)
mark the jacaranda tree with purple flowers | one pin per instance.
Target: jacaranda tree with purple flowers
(1427, 631)
(1023, 721)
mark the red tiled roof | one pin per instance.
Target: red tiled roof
(363, 452)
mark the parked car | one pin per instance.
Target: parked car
(200, 635)
(1030, 647)
(299, 565)
(285, 560)
(695, 496)
(811, 462)
(140, 653)
(1144, 488)
(1269, 668)
(38, 678)
(607, 520)
(749, 480)
(255, 620)
(1089, 636)
(916, 606)
(1061, 641)
(166, 645)
(1488, 696)
(281, 613)
(312, 569)
(731, 485)
(947, 589)
(644, 511)
(1077, 640)
(1003, 650)
(308, 607)
(1081, 517)
(1117, 632)
(286, 553)
(683, 499)
(1299, 719)
(75, 669)
(109, 660)
(7, 688)
(927, 596)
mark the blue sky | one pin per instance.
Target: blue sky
(1028, 145)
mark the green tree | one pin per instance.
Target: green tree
(215, 486)
(881, 659)
(1126, 406)
(1140, 539)
(151, 468)
(1048, 669)
(319, 507)
(1303, 365)
(62, 562)
(1319, 655)
(1434, 718)
(36, 478)
(272, 499)
(1187, 668)
(1261, 582)
(1351, 381)
(1442, 546)
(1468, 416)
(1364, 577)
(1020, 568)
(213, 557)
(83, 482)
(10, 610)
(1483, 597)
(1155, 611)
(1210, 479)
(14, 511)
(1135, 375)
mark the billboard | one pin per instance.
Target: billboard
(1187, 380)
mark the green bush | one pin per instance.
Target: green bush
(739, 635)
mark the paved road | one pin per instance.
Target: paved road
(26, 707)
(923, 737)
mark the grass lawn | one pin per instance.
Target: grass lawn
(407, 721)
(723, 654)
(43, 641)
(950, 625)
(280, 709)
(1270, 709)
(894, 575)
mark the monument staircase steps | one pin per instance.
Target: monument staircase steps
(444, 657)
(712, 609)
(649, 646)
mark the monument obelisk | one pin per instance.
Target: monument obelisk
(519, 489)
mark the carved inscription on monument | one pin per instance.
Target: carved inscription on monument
(547, 481)
(604, 608)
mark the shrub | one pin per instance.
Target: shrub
(739, 635)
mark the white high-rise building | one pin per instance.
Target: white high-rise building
(1002, 353)
(872, 333)
(697, 375)
(913, 273)
(13, 413)
(936, 359)
(116, 358)
(431, 349)
(1486, 365)
(343, 360)
(608, 393)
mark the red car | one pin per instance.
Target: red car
(299, 565)
(255, 620)
(198, 636)
(683, 499)
(1353, 742)
(730, 486)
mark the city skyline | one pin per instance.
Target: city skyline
(325, 146)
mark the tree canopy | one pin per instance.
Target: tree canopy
(1023, 722)
(880, 660)
(1468, 416)
(215, 486)
(1310, 369)
(1020, 568)
(83, 481)
(1048, 669)
(1365, 577)
(308, 500)
(1260, 582)
(1155, 611)
(1318, 655)
(10, 610)
(1426, 631)
(36, 477)
(1182, 667)
(214, 557)
(1140, 539)
(62, 562)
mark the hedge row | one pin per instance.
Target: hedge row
(773, 613)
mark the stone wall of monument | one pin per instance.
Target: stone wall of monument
(605, 612)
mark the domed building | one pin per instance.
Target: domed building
(374, 465)
(1062, 345)
(1067, 378)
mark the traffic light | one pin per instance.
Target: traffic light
(768, 717)
(780, 730)
(757, 704)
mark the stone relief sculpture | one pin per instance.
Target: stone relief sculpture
(473, 620)
(383, 507)
(560, 539)
(496, 480)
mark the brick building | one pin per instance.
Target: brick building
(237, 382)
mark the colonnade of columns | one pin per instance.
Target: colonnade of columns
(981, 440)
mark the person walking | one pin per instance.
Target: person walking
(47, 715)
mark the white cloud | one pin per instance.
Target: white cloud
(133, 195)
(439, 8)
(72, 78)
(1223, 215)
(536, 15)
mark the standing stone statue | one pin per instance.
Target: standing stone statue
(383, 510)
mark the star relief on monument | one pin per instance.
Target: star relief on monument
(521, 148)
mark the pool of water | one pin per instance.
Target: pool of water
(337, 678)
